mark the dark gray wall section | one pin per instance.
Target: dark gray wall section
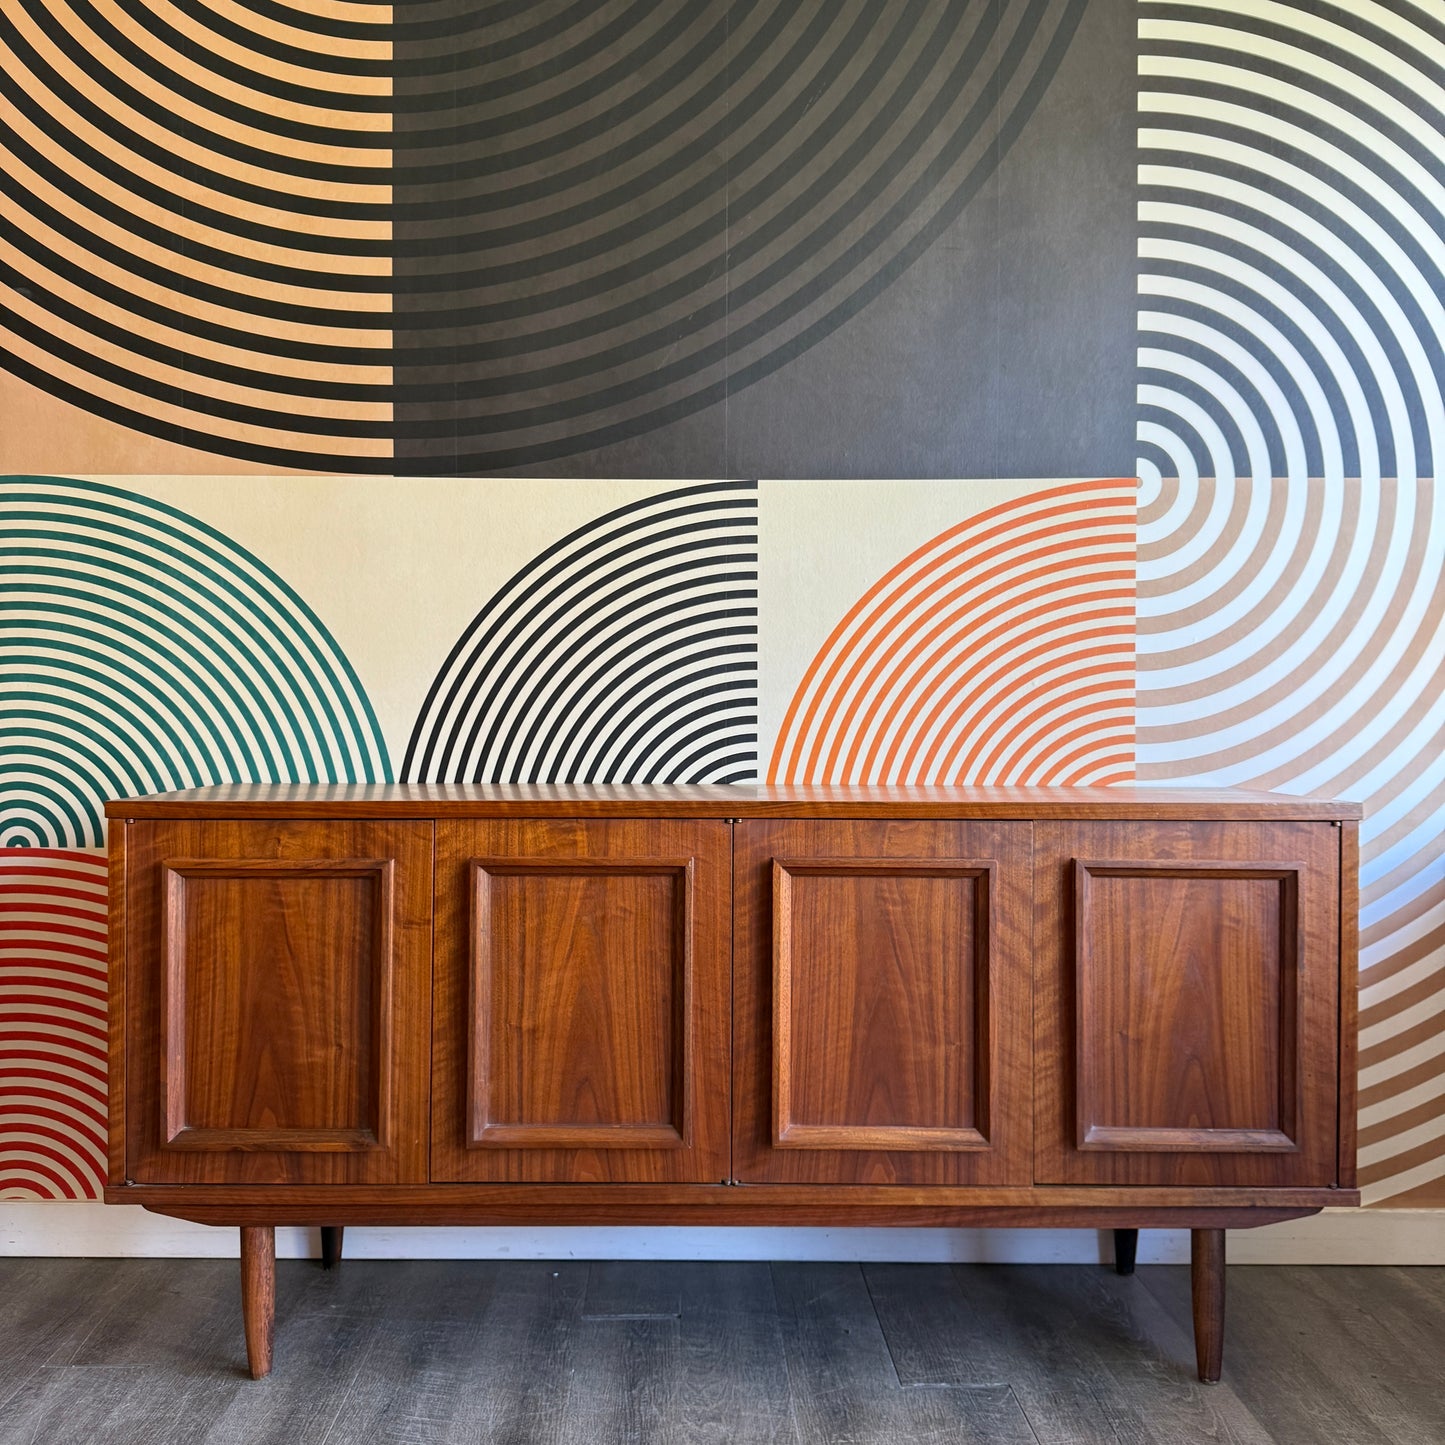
(1008, 349)
(984, 325)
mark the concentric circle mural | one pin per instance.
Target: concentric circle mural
(53, 1030)
(458, 237)
(648, 206)
(141, 650)
(624, 653)
(200, 225)
(1001, 651)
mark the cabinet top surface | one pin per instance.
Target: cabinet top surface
(563, 800)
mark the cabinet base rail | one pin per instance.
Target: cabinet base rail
(258, 1290)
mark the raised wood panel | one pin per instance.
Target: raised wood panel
(881, 989)
(881, 1004)
(582, 996)
(289, 1050)
(1186, 1006)
(579, 1014)
(1186, 1003)
(277, 1001)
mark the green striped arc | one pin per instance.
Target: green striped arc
(48, 785)
(148, 651)
(252, 604)
(249, 609)
(253, 646)
(250, 747)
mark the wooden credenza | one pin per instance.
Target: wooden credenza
(690, 1005)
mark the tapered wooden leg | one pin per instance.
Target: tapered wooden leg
(331, 1237)
(1206, 1259)
(258, 1294)
(1126, 1250)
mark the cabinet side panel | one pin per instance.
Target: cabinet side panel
(1349, 1004)
(119, 837)
(1187, 998)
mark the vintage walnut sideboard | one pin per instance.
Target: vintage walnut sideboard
(712, 1005)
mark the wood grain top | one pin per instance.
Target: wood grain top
(543, 800)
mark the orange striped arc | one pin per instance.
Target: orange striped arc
(1001, 651)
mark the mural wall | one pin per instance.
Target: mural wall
(718, 392)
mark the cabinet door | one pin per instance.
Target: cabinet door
(1187, 1003)
(882, 1003)
(581, 1001)
(277, 1001)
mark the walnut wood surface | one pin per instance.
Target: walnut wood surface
(1185, 1005)
(1096, 1008)
(452, 800)
(116, 1043)
(1206, 1278)
(277, 985)
(760, 1198)
(560, 1208)
(258, 1294)
(1186, 1013)
(579, 1013)
(582, 973)
(903, 954)
(881, 1003)
(1349, 1033)
(314, 940)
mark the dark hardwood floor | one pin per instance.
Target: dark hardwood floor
(151, 1352)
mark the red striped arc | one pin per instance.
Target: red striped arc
(53, 1024)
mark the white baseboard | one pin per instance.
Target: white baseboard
(1346, 1236)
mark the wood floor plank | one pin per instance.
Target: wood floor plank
(633, 1289)
(1424, 1283)
(971, 1325)
(40, 1301)
(151, 1314)
(1269, 1362)
(149, 1352)
(516, 1385)
(733, 1375)
(424, 1361)
(624, 1382)
(51, 1309)
(1097, 1358)
(1308, 1362)
(936, 1332)
(843, 1385)
(1384, 1319)
(114, 1405)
